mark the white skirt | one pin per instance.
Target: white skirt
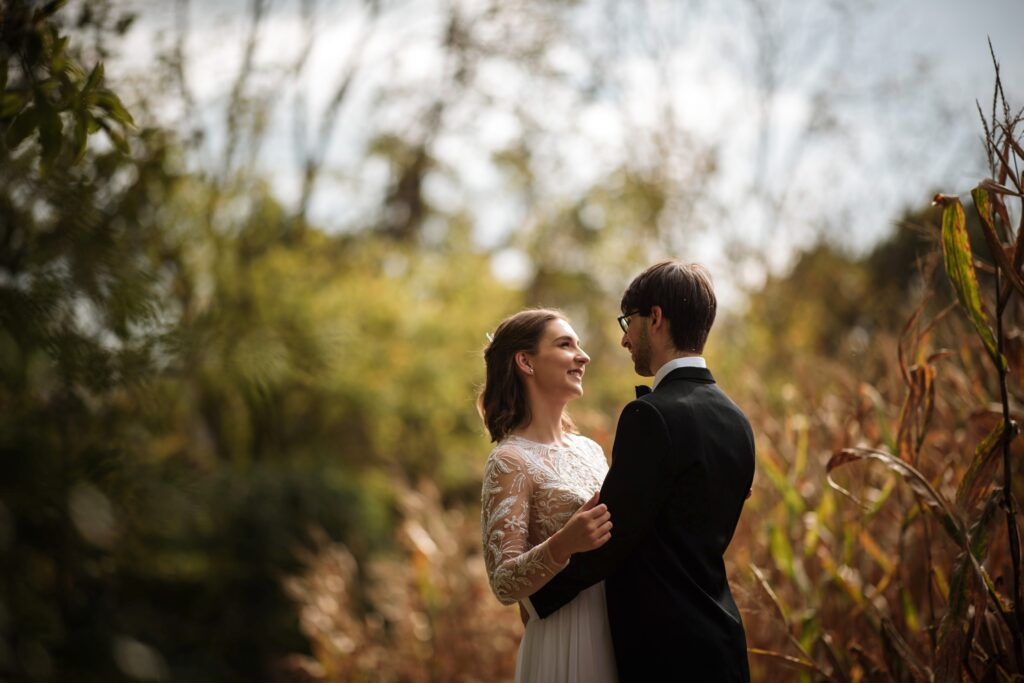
(573, 645)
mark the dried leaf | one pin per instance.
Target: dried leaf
(964, 590)
(983, 206)
(872, 548)
(759, 575)
(950, 520)
(781, 611)
(807, 661)
(786, 659)
(990, 185)
(917, 410)
(917, 482)
(985, 456)
(907, 657)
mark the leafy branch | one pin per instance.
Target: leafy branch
(47, 94)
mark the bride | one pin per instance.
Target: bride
(540, 494)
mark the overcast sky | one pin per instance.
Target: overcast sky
(902, 78)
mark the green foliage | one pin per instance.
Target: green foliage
(47, 95)
(187, 394)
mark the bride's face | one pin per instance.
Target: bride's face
(559, 363)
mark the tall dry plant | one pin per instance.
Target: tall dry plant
(909, 571)
(425, 613)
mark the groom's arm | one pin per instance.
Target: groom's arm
(637, 485)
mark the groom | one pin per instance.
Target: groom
(682, 465)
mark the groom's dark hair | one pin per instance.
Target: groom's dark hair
(686, 297)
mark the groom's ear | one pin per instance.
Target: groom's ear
(657, 317)
(659, 324)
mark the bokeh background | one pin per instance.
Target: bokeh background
(250, 251)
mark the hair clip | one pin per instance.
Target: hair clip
(490, 337)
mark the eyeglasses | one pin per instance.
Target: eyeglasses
(624, 320)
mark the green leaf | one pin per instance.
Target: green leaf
(95, 78)
(116, 138)
(959, 262)
(22, 127)
(11, 104)
(48, 87)
(49, 9)
(794, 502)
(781, 550)
(110, 103)
(50, 130)
(81, 135)
(909, 610)
(33, 48)
(58, 60)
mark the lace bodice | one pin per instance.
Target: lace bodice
(530, 491)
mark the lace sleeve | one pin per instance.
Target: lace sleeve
(515, 570)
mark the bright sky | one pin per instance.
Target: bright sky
(891, 86)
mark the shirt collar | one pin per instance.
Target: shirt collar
(684, 362)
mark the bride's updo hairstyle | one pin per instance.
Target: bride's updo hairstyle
(503, 402)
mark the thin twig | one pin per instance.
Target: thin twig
(1008, 498)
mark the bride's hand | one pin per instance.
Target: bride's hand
(590, 527)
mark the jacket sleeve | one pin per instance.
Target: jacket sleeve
(637, 486)
(514, 568)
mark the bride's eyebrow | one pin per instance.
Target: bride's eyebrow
(565, 337)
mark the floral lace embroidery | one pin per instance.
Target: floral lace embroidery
(530, 490)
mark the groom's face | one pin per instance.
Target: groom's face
(635, 340)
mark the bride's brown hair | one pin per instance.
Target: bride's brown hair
(502, 402)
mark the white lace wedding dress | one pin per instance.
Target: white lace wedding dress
(529, 492)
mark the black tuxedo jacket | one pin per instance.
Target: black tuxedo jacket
(682, 464)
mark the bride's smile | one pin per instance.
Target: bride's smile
(559, 356)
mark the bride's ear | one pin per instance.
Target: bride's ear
(523, 363)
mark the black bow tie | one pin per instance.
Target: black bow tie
(642, 390)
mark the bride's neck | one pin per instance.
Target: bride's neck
(545, 425)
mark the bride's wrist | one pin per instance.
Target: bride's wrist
(559, 553)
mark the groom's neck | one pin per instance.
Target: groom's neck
(661, 356)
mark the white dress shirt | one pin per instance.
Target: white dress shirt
(684, 362)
